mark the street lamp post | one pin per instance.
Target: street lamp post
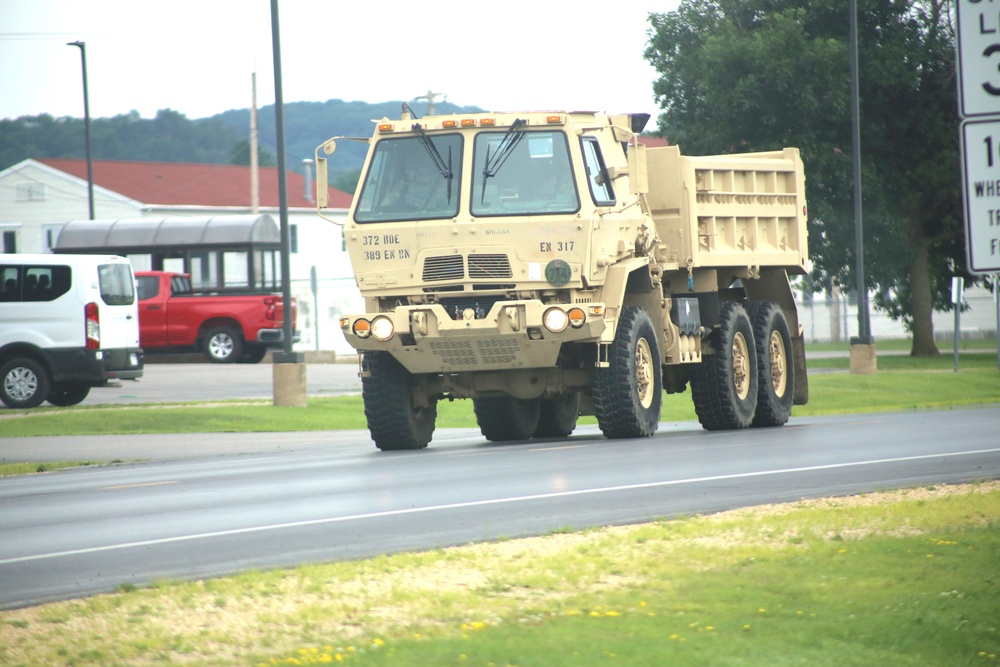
(86, 127)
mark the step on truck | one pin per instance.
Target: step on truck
(548, 265)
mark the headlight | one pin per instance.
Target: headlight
(555, 320)
(382, 328)
(362, 328)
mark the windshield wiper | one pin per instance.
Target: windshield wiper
(443, 168)
(504, 151)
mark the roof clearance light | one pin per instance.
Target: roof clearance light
(557, 119)
(448, 123)
(383, 328)
(385, 127)
(468, 122)
(555, 320)
(362, 328)
(488, 121)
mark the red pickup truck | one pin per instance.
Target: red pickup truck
(226, 327)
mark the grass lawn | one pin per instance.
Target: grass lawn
(903, 578)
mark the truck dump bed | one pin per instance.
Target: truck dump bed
(729, 210)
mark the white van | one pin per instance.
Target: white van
(67, 323)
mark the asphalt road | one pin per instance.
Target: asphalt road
(206, 505)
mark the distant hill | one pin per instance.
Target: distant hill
(172, 137)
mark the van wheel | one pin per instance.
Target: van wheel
(393, 420)
(223, 345)
(628, 393)
(558, 416)
(64, 395)
(775, 365)
(724, 384)
(503, 418)
(24, 383)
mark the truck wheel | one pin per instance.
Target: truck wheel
(628, 393)
(223, 345)
(724, 384)
(775, 365)
(24, 383)
(253, 354)
(64, 395)
(503, 418)
(393, 420)
(557, 417)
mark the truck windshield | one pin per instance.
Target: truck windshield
(535, 178)
(405, 182)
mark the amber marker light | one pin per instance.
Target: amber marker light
(577, 318)
(362, 328)
(557, 119)
(468, 122)
(344, 322)
(448, 123)
(488, 122)
(385, 127)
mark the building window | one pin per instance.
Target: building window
(10, 242)
(29, 192)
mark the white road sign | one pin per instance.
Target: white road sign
(979, 56)
(981, 175)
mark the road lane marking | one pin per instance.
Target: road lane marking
(479, 503)
(137, 486)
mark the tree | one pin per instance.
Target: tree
(748, 75)
(241, 155)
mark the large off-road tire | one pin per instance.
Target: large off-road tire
(223, 345)
(724, 384)
(557, 417)
(503, 418)
(66, 394)
(393, 420)
(775, 364)
(628, 393)
(24, 383)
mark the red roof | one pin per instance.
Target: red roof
(183, 184)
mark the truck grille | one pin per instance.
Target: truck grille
(489, 266)
(452, 267)
(448, 267)
(491, 352)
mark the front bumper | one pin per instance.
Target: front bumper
(511, 335)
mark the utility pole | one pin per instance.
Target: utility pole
(429, 97)
(254, 166)
(86, 126)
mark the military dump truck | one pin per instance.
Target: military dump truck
(548, 265)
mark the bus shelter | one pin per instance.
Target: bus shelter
(221, 253)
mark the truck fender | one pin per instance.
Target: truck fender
(632, 283)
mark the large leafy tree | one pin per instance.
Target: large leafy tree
(749, 75)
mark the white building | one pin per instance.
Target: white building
(37, 197)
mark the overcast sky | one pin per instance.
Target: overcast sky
(197, 56)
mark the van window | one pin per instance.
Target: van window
(116, 283)
(10, 283)
(34, 283)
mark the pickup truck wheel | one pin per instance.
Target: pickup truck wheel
(64, 395)
(724, 384)
(558, 416)
(24, 383)
(775, 365)
(223, 345)
(503, 418)
(628, 393)
(394, 422)
(253, 354)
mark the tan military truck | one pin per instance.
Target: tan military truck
(549, 265)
